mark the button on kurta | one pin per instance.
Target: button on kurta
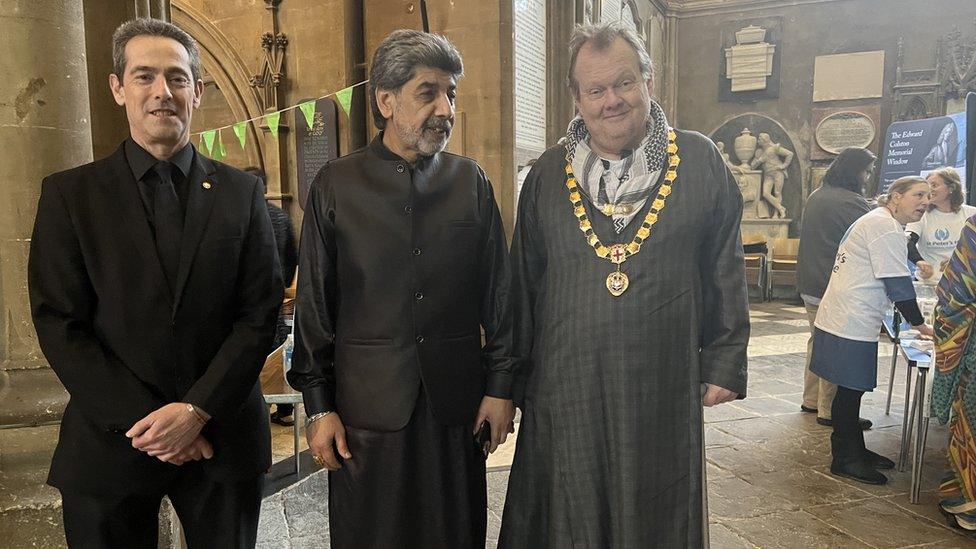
(420, 339)
(418, 296)
(400, 168)
(408, 208)
(416, 251)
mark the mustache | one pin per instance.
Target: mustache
(438, 123)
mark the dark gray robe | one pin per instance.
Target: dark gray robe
(609, 446)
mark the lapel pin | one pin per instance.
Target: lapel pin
(207, 185)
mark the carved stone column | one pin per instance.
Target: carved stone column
(44, 128)
(270, 85)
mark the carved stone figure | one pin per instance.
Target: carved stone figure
(748, 180)
(775, 160)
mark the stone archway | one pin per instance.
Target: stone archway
(228, 71)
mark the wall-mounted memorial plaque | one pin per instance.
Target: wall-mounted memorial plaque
(750, 55)
(836, 128)
(848, 76)
(530, 77)
(844, 129)
(316, 145)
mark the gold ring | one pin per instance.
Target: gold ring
(319, 461)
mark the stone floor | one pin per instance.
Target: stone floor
(768, 479)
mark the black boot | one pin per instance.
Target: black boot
(878, 461)
(850, 461)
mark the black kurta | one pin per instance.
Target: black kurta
(609, 445)
(400, 268)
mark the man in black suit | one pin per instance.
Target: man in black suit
(154, 290)
(402, 262)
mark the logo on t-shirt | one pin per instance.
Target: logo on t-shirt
(942, 234)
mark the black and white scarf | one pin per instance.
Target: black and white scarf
(627, 182)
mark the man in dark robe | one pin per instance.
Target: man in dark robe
(631, 314)
(402, 262)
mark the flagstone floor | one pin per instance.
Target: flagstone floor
(768, 479)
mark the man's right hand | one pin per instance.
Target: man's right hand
(321, 435)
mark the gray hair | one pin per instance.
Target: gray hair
(152, 27)
(399, 55)
(602, 36)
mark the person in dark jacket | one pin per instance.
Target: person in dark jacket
(288, 259)
(829, 212)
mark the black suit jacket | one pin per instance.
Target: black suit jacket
(124, 345)
(399, 268)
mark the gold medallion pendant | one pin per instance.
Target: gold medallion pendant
(618, 282)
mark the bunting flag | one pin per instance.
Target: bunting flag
(221, 150)
(240, 130)
(208, 140)
(308, 109)
(345, 98)
(273, 119)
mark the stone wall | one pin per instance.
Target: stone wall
(809, 30)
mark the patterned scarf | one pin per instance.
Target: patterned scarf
(625, 183)
(954, 383)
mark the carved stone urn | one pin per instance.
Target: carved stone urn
(745, 148)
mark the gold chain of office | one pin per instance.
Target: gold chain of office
(617, 282)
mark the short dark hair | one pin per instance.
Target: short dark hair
(145, 26)
(843, 171)
(400, 54)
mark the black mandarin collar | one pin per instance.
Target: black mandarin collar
(140, 161)
(381, 150)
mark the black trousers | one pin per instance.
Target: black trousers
(845, 412)
(213, 514)
(420, 487)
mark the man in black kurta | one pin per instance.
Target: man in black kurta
(631, 314)
(403, 261)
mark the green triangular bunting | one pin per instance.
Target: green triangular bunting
(308, 109)
(240, 130)
(208, 140)
(273, 119)
(220, 152)
(345, 98)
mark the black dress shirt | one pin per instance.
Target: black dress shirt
(141, 163)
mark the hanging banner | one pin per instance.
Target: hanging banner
(917, 147)
(315, 143)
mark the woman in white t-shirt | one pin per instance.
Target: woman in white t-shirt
(870, 272)
(934, 236)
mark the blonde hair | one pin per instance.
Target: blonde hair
(950, 178)
(899, 186)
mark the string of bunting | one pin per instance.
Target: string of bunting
(212, 141)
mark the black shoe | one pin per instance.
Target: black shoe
(283, 420)
(864, 423)
(858, 470)
(808, 409)
(878, 461)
